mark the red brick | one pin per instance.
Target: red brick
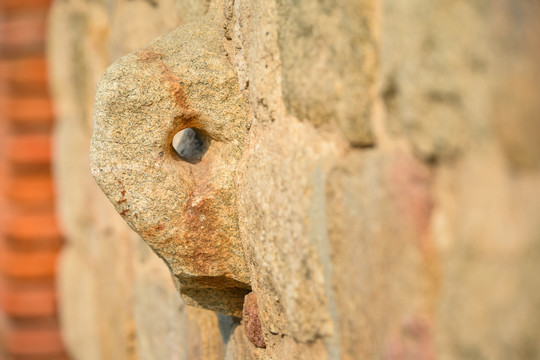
(27, 264)
(23, 5)
(28, 110)
(33, 357)
(4, 71)
(23, 33)
(33, 342)
(27, 302)
(33, 228)
(29, 149)
(30, 190)
(27, 259)
(27, 70)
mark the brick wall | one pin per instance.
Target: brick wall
(29, 234)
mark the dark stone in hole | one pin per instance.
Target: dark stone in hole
(191, 145)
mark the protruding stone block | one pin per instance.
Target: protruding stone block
(184, 209)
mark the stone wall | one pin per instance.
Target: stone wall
(387, 192)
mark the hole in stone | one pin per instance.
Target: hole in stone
(191, 145)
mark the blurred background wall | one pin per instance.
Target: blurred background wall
(30, 238)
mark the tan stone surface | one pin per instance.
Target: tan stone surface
(328, 58)
(423, 246)
(185, 211)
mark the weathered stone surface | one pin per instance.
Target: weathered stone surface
(251, 322)
(203, 340)
(377, 233)
(488, 243)
(293, 296)
(161, 331)
(516, 106)
(185, 211)
(328, 60)
(438, 112)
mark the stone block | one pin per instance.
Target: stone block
(328, 59)
(184, 209)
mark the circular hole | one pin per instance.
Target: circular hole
(191, 145)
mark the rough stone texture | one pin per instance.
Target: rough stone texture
(251, 321)
(328, 59)
(423, 246)
(185, 211)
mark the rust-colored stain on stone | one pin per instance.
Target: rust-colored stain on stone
(251, 321)
(148, 55)
(123, 196)
(189, 218)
